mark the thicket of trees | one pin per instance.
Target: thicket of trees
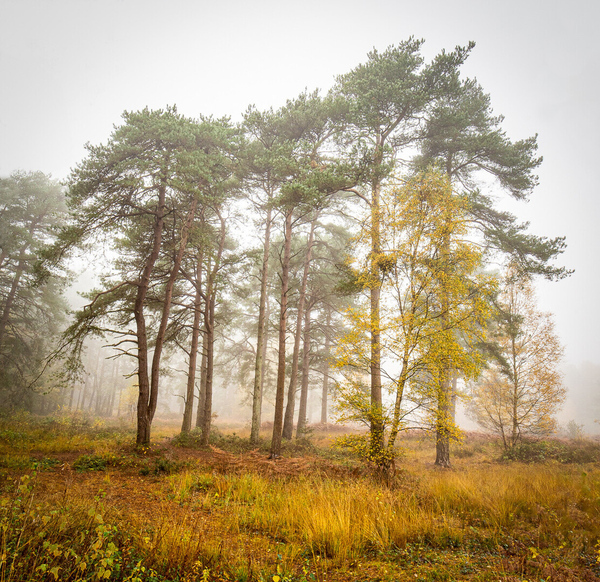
(348, 229)
(32, 209)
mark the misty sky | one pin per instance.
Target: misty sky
(69, 68)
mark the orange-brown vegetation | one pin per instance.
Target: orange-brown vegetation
(80, 503)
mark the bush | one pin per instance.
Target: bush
(95, 462)
(554, 450)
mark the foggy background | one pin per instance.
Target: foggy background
(69, 68)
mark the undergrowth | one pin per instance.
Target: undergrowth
(540, 451)
(156, 515)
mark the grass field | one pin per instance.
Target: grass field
(78, 502)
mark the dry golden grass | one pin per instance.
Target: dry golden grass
(178, 514)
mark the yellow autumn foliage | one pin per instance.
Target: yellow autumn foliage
(434, 305)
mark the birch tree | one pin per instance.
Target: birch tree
(434, 305)
(521, 390)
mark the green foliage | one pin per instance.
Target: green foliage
(92, 462)
(32, 310)
(46, 542)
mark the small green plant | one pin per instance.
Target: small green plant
(91, 463)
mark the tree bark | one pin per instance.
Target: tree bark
(202, 392)
(377, 426)
(279, 395)
(210, 338)
(160, 336)
(444, 409)
(288, 423)
(144, 419)
(302, 417)
(260, 338)
(443, 420)
(186, 424)
(209, 324)
(325, 391)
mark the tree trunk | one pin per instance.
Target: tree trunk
(210, 338)
(325, 391)
(100, 386)
(202, 393)
(288, 423)
(260, 338)
(186, 424)
(302, 418)
(444, 418)
(144, 419)
(110, 399)
(279, 395)
(160, 336)
(377, 426)
(515, 395)
(211, 292)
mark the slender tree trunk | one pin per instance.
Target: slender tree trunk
(280, 393)
(325, 391)
(202, 393)
(288, 423)
(211, 292)
(167, 300)
(210, 338)
(71, 396)
(115, 383)
(454, 396)
(377, 426)
(186, 425)
(260, 338)
(263, 371)
(515, 396)
(144, 418)
(100, 385)
(444, 419)
(83, 394)
(119, 403)
(302, 418)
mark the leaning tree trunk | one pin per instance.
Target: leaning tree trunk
(280, 393)
(288, 423)
(167, 301)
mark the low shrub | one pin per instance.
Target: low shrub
(554, 450)
(96, 462)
